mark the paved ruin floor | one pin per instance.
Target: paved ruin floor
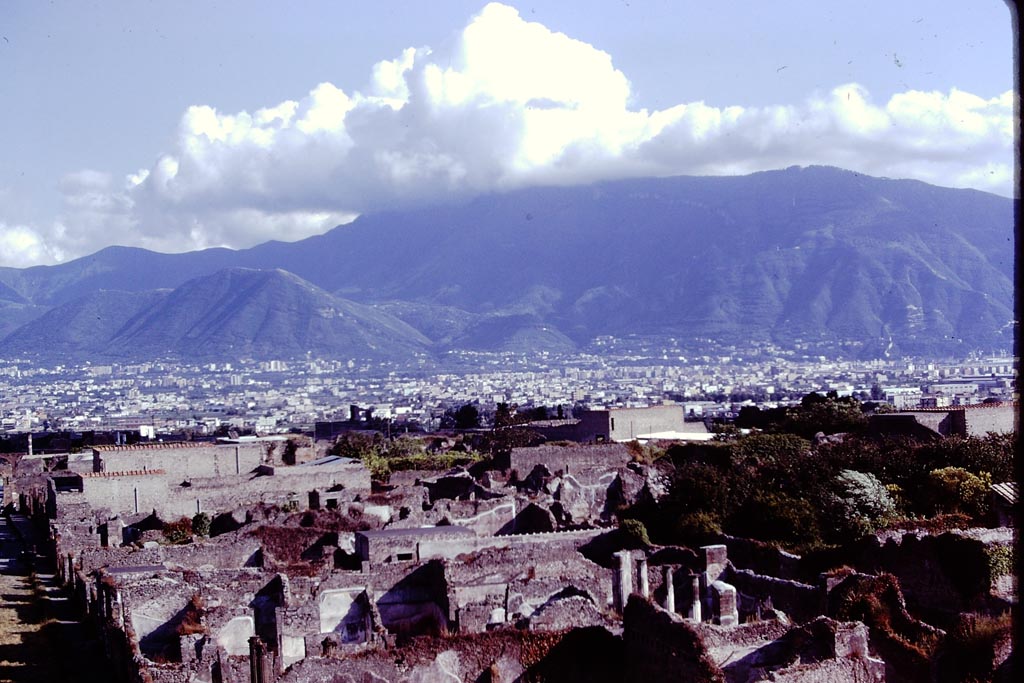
(39, 640)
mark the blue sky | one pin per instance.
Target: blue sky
(184, 125)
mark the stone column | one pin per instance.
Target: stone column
(642, 578)
(670, 590)
(623, 580)
(695, 599)
(258, 670)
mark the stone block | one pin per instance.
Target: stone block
(724, 606)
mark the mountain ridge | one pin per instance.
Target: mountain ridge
(812, 252)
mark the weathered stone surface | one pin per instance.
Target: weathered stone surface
(567, 613)
(444, 669)
(577, 503)
(662, 646)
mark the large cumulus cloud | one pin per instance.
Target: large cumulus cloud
(512, 104)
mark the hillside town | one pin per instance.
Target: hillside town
(733, 519)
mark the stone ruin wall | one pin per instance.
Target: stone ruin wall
(799, 601)
(942, 573)
(185, 460)
(662, 646)
(500, 655)
(569, 459)
(451, 548)
(761, 557)
(147, 490)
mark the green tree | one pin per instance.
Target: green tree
(697, 528)
(781, 461)
(467, 417)
(830, 414)
(992, 453)
(503, 416)
(356, 444)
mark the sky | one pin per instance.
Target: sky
(184, 125)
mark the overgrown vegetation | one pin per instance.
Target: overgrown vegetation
(178, 531)
(775, 484)
(1001, 561)
(971, 648)
(201, 524)
(634, 533)
(382, 455)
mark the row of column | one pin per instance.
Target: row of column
(623, 585)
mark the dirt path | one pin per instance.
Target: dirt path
(40, 641)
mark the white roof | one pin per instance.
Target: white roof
(675, 436)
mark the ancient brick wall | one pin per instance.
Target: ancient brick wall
(138, 491)
(451, 548)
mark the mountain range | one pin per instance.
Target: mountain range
(814, 253)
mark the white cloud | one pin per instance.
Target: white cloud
(22, 246)
(512, 104)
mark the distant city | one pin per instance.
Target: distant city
(281, 396)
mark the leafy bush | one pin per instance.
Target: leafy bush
(778, 460)
(860, 503)
(201, 524)
(355, 444)
(634, 532)
(954, 489)
(440, 461)
(178, 532)
(698, 527)
(777, 517)
(1001, 560)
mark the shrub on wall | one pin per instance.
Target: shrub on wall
(634, 533)
(1001, 561)
(179, 531)
(201, 524)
